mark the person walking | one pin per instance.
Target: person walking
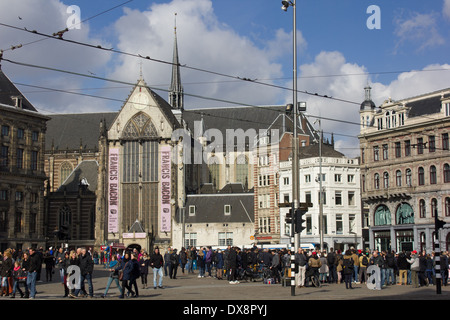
(7, 267)
(114, 267)
(86, 270)
(157, 263)
(402, 265)
(300, 264)
(33, 268)
(135, 274)
(144, 262)
(19, 277)
(348, 269)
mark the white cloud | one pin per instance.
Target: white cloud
(203, 43)
(446, 9)
(420, 30)
(51, 17)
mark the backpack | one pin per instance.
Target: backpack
(348, 263)
(365, 261)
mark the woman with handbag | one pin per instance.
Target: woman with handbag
(19, 276)
(6, 272)
(114, 268)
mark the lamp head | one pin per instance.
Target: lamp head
(285, 4)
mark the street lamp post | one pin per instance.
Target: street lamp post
(295, 239)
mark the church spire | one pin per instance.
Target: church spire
(176, 96)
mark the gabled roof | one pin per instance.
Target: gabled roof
(86, 174)
(209, 208)
(8, 90)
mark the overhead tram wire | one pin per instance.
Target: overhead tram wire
(192, 95)
(87, 19)
(58, 36)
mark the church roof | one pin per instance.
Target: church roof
(86, 174)
(8, 90)
(69, 131)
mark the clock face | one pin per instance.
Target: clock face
(140, 101)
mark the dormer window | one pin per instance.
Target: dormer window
(17, 101)
(192, 210)
(227, 209)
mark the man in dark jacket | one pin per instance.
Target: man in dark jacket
(86, 270)
(232, 264)
(157, 263)
(34, 266)
(331, 260)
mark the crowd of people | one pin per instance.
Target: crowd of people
(20, 271)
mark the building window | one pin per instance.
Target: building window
(307, 178)
(33, 222)
(431, 143)
(351, 198)
(20, 133)
(4, 156)
(264, 225)
(421, 176)
(5, 131)
(286, 181)
(227, 209)
(19, 196)
(446, 172)
(337, 178)
(420, 145)
(19, 159)
(34, 160)
(433, 178)
(376, 155)
(447, 109)
(398, 150)
(408, 178)
(376, 181)
(34, 136)
(386, 180)
(3, 195)
(422, 208)
(398, 178)
(192, 210)
(225, 238)
(3, 220)
(363, 182)
(407, 148)
(190, 240)
(445, 143)
(308, 198)
(242, 170)
(18, 222)
(385, 152)
(434, 207)
(447, 206)
(338, 198)
(350, 178)
(339, 224)
(65, 170)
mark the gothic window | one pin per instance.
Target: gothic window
(242, 169)
(65, 216)
(65, 170)
(140, 126)
(214, 171)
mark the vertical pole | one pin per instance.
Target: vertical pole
(437, 257)
(295, 172)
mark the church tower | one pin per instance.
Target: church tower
(176, 97)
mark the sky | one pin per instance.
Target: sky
(400, 48)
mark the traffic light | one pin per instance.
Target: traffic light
(288, 218)
(438, 224)
(299, 219)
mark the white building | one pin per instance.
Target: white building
(341, 193)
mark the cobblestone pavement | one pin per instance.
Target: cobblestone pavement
(191, 288)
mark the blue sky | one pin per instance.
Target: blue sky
(338, 54)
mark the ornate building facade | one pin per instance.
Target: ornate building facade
(22, 220)
(405, 173)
